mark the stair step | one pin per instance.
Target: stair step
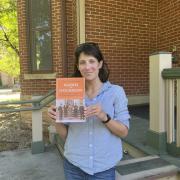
(148, 167)
(134, 160)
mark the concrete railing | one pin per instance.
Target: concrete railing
(35, 105)
(172, 104)
(164, 125)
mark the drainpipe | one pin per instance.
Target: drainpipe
(64, 38)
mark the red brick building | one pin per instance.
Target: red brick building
(127, 31)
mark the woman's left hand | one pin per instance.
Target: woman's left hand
(95, 110)
(114, 126)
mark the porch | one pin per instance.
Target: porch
(144, 157)
(22, 164)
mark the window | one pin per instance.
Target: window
(40, 35)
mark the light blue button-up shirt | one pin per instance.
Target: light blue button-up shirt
(90, 145)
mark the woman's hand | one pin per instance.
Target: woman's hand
(95, 110)
(61, 129)
(52, 112)
(114, 126)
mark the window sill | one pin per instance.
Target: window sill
(40, 76)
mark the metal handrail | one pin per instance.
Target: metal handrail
(171, 73)
(37, 104)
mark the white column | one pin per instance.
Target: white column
(178, 115)
(37, 145)
(37, 126)
(80, 12)
(169, 110)
(158, 62)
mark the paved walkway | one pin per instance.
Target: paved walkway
(22, 165)
(8, 95)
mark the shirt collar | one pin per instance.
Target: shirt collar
(106, 85)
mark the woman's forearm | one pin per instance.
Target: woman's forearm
(117, 128)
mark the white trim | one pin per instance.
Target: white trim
(80, 12)
(157, 91)
(140, 99)
(131, 161)
(178, 114)
(150, 173)
(40, 76)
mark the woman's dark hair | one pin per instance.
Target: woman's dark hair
(92, 49)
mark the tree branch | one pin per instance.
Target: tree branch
(8, 41)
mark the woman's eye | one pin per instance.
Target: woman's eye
(81, 62)
(92, 61)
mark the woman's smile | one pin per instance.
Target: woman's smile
(89, 66)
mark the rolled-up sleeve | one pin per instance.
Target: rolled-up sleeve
(121, 112)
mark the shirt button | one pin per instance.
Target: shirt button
(90, 157)
(90, 145)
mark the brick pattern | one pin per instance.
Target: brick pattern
(38, 87)
(71, 34)
(56, 26)
(22, 40)
(168, 26)
(127, 32)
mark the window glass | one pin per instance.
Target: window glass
(40, 35)
(40, 13)
(42, 50)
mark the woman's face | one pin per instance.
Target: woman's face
(89, 67)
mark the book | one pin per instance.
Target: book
(70, 99)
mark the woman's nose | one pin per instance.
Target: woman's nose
(87, 66)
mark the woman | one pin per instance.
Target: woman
(92, 149)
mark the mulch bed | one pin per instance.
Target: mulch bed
(15, 132)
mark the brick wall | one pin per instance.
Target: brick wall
(22, 41)
(37, 87)
(71, 33)
(168, 26)
(127, 32)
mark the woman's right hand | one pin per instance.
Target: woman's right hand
(61, 129)
(52, 112)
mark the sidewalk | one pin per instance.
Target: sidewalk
(21, 165)
(8, 95)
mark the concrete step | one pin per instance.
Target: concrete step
(149, 167)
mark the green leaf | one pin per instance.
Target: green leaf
(9, 53)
